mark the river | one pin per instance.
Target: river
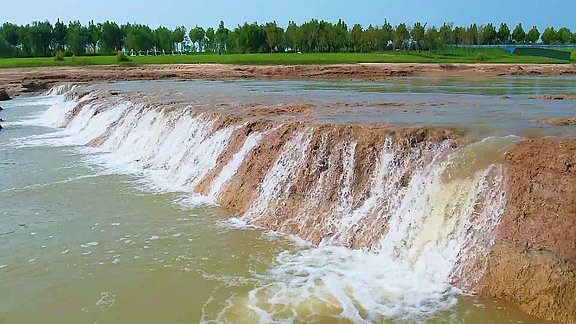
(87, 238)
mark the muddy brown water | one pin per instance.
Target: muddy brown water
(84, 242)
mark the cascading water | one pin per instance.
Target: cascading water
(423, 218)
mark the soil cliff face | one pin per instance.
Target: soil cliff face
(533, 263)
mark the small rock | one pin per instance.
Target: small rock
(4, 96)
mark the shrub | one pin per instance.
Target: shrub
(480, 57)
(59, 56)
(122, 57)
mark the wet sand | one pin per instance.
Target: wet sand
(21, 81)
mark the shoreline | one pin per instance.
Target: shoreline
(23, 81)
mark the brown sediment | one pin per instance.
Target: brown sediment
(541, 210)
(539, 282)
(533, 264)
(237, 140)
(242, 191)
(383, 104)
(556, 121)
(555, 97)
(304, 109)
(18, 81)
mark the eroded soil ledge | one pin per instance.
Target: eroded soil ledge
(533, 263)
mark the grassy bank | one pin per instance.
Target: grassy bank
(450, 55)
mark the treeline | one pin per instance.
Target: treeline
(45, 39)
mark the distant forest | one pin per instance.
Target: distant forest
(44, 39)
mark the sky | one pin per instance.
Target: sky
(171, 13)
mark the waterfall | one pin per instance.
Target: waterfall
(394, 231)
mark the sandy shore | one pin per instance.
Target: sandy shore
(29, 80)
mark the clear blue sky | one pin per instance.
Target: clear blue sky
(542, 13)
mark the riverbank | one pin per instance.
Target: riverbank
(20, 81)
(450, 55)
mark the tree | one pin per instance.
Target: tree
(210, 39)
(291, 36)
(139, 38)
(417, 34)
(563, 35)
(10, 33)
(93, 35)
(273, 35)
(488, 34)
(431, 37)
(549, 36)
(163, 39)
(222, 37)
(111, 37)
(355, 38)
(503, 34)
(179, 36)
(197, 35)
(445, 35)
(401, 35)
(533, 35)
(384, 36)
(518, 35)
(77, 38)
(459, 35)
(59, 35)
(39, 37)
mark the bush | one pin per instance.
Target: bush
(122, 57)
(480, 57)
(59, 56)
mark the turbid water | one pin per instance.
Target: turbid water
(88, 235)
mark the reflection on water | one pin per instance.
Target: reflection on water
(80, 243)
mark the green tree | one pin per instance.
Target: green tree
(291, 36)
(549, 36)
(39, 37)
(488, 34)
(139, 38)
(563, 35)
(401, 35)
(11, 33)
(355, 38)
(222, 37)
(459, 35)
(77, 38)
(59, 35)
(179, 36)
(417, 34)
(273, 35)
(518, 35)
(210, 39)
(533, 35)
(93, 35)
(197, 35)
(163, 39)
(445, 35)
(503, 34)
(431, 38)
(111, 37)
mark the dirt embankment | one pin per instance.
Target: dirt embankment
(29, 80)
(533, 264)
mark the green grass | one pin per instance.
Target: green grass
(450, 55)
